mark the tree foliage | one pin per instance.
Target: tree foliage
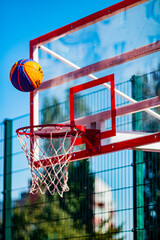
(43, 219)
(79, 200)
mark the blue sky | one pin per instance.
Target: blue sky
(24, 21)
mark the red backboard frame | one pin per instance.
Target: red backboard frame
(72, 27)
(104, 64)
(91, 84)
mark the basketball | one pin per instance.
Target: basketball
(26, 75)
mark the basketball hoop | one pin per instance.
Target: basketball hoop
(48, 149)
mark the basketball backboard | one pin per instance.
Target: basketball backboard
(71, 55)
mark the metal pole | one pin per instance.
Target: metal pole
(7, 201)
(134, 197)
(138, 181)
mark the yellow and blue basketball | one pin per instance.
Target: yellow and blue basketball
(26, 75)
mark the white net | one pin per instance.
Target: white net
(49, 157)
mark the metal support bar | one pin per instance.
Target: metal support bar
(134, 197)
(7, 202)
(138, 181)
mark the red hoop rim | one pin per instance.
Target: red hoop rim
(29, 130)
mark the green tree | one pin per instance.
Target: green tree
(79, 200)
(43, 219)
(51, 111)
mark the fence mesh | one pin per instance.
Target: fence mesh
(114, 196)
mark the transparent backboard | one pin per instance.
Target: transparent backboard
(123, 40)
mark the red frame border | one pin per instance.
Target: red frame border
(94, 83)
(84, 22)
(110, 148)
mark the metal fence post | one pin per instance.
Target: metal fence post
(138, 176)
(134, 197)
(7, 201)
